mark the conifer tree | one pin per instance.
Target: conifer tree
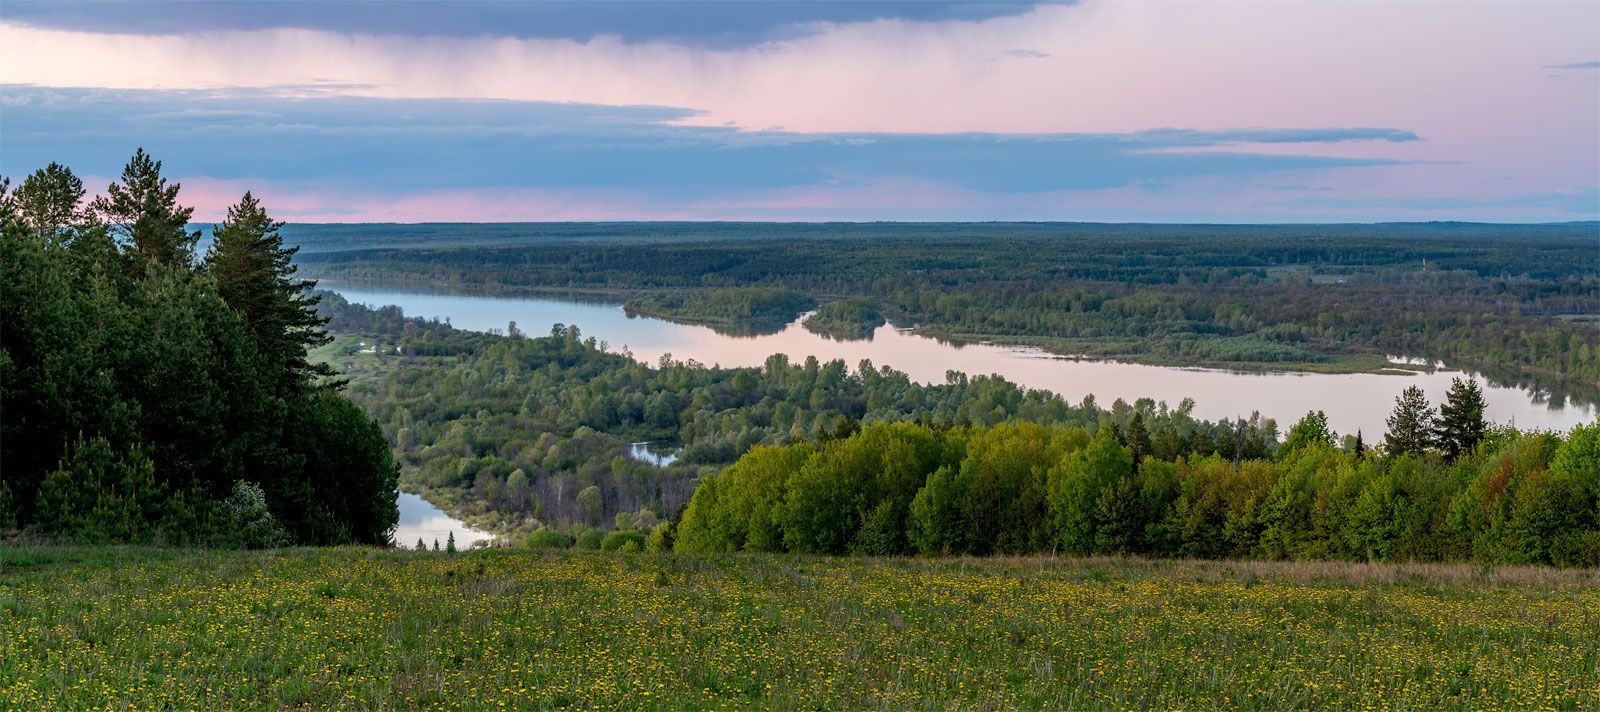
(8, 202)
(1461, 423)
(143, 210)
(48, 201)
(1138, 438)
(1411, 423)
(255, 276)
(1311, 430)
(450, 542)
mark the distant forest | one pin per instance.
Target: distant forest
(530, 434)
(1519, 303)
(515, 432)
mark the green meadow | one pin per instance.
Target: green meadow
(135, 628)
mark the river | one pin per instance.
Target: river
(1352, 401)
(419, 519)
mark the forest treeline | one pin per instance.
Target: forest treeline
(531, 435)
(152, 394)
(1020, 488)
(1509, 300)
(516, 433)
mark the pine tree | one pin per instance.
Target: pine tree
(48, 201)
(1461, 423)
(1411, 423)
(255, 276)
(1360, 447)
(8, 202)
(143, 209)
(450, 543)
(1311, 430)
(421, 546)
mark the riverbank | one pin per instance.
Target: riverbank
(366, 628)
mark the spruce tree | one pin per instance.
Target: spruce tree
(143, 210)
(255, 276)
(1411, 423)
(1461, 423)
(1138, 438)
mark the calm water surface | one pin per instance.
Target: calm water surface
(419, 519)
(1352, 401)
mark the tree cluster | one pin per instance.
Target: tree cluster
(517, 433)
(1018, 488)
(151, 394)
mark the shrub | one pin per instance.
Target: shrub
(547, 539)
(616, 541)
(250, 523)
(660, 538)
(590, 538)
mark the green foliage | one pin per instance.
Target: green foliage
(737, 510)
(662, 538)
(536, 630)
(249, 519)
(742, 310)
(1460, 425)
(144, 211)
(1411, 423)
(849, 319)
(1077, 486)
(624, 541)
(547, 539)
(1255, 296)
(1312, 430)
(50, 201)
(102, 495)
(590, 538)
(1022, 488)
(141, 405)
(467, 412)
(254, 275)
(936, 526)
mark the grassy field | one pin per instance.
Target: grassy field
(352, 628)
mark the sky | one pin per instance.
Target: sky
(1100, 110)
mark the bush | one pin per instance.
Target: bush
(590, 538)
(660, 538)
(250, 523)
(547, 539)
(617, 541)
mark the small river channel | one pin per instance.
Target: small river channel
(419, 519)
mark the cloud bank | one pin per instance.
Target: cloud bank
(1090, 110)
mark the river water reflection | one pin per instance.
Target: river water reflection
(419, 519)
(1352, 401)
